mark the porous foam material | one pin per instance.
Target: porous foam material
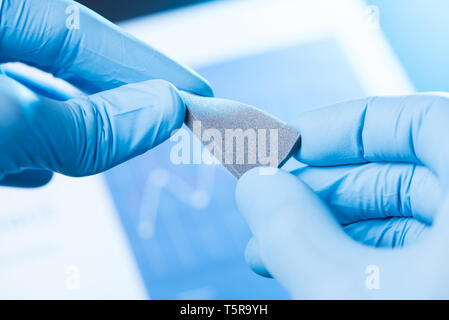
(232, 117)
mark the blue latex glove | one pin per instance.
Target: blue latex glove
(369, 216)
(133, 104)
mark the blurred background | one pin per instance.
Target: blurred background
(416, 29)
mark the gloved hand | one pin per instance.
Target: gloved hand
(369, 216)
(125, 114)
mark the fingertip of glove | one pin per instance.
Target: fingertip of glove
(258, 194)
(199, 86)
(206, 90)
(246, 185)
(255, 191)
(260, 178)
(253, 259)
(27, 179)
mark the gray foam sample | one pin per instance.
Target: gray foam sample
(241, 135)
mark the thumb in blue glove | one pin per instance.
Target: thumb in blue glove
(371, 204)
(84, 135)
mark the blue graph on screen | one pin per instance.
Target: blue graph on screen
(181, 220)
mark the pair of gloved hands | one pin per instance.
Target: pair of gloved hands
(378, 169)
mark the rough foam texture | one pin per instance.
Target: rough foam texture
(222, 114)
